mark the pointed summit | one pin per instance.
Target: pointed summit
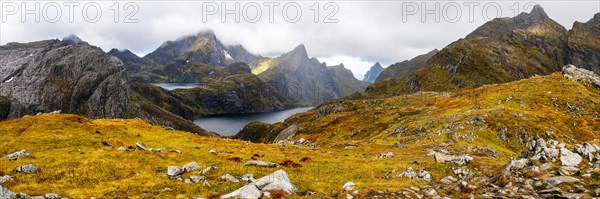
(377, 65)
(373, 73)
(299, 51)
(73, 39)
(537, 14)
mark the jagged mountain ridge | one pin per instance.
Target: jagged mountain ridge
(131, 61)
(373, 73)
(501, 50)
(405, 67)
(203, 47)
(305, 79)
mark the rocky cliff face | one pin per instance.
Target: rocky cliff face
(501, 50)
(76, 78)
(305, 79)
(584, 44)
(373, 73)
(72, 77)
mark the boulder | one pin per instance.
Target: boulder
(430, 192)
(301, 142)
(213, 151)
(286, 133)
(5, 193)
(408, 173)
(278, 180)
(248, 178)
(192, 166)
(579, 74)
(258, 163)
(174, 171)
(17, 155)
(587, 150)
(568, 158)
(229, 177)
(196, 178)
(142, 147)
(459, 160)
(29, 168)
(424, 175)
(249, 191)
(5, 178)
(448, 180)
(555, 181)
(52, 196)
(349, 186)
(208, 169)
(516, 164)
(277, 177)
(385, 155)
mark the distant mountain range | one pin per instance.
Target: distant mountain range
(305, 79)
(373, 73)
(501, 50)
(194, 58)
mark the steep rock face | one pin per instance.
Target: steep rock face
(305, 79)
(373, 73)
(584, 44)
(497, 52)
(400, 69)
(73, 77)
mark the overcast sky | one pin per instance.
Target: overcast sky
(361, 32)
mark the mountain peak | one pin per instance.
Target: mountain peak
(300, 50)
(377, 65)
(72, 39)
(537, 14)
(298, 54)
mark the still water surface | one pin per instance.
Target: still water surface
(230, 124)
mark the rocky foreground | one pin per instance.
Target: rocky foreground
(522, 143)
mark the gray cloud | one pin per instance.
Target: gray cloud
(367, 31)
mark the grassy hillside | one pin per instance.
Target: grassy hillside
(75, 163)
(492, 124)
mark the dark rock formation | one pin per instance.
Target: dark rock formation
(584, 44)
(73, 77)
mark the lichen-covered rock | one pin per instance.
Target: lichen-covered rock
(192, 166)
(277, 180)
(258, 163)
(18, 154)
(29, 168)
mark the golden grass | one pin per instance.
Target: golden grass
(74, 163)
